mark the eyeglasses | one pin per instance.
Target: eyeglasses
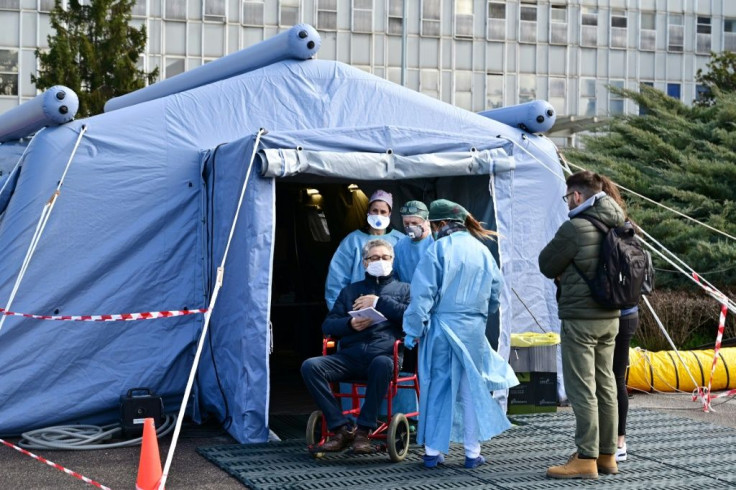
(374, 258)
(410, 210)
(564, 198)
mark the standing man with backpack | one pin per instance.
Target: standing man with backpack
(588, 329)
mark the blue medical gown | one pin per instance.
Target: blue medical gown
(346, 266)
(408, 253)
(455, 287)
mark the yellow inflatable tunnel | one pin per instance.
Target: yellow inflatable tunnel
(663, 370)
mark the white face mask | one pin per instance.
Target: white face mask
(378, 222)
(380, 268)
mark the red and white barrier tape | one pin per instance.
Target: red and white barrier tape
(704, 394)
(55, 465)
(145, 315)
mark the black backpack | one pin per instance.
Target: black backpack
(622, 267)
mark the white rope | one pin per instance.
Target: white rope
(669, 339)
(532, 155)
(652, 201)
(710, 289)
(714, 293)
(17, 164)
(40, 226)
(207, 316)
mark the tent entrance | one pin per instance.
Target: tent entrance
(313, 215)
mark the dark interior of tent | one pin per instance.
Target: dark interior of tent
(312, 217)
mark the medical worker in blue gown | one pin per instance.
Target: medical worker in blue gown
(418, 239)
(454, 289)
(346, 266)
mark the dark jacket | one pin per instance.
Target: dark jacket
(378, 339)
(579, 240)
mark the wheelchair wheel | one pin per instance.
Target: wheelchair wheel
(314, 432)
(398, 437)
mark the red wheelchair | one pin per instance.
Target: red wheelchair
(395, 431)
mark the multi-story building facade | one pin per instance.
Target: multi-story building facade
(476, 54)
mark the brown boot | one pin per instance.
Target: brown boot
(361, 444)
(342, 439)
(575, 468)
(607, 464)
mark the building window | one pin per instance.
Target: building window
(430, 82)
(362, 16)
(673, 90)
(702, 43)
(496, 21)
(643, 110)
(327, 15)
(215, 10)
(615, 101)
(557, 92)
(494, 91)
(558, 24)
(138, 10)
(8, 72)
(10, 5)
(253, 13)
(463, 18)
(431, 18)
(175, 10)
(527, 88)
(587, 97)
(675, 33)
(619, 24)
(589, 27)
(463, 89)
(395, 17)
(648, 31)
(701, 93)
(288, 12)
(527, 23)
(174, 66)
(729, 34)
(48, 6)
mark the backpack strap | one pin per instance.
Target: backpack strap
(600, 226)
(596, 222)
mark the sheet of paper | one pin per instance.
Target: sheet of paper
(371, 313)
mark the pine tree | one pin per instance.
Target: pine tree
(682, 157)
(719, 76)
(94, 52)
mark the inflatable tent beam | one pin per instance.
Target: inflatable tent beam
(57, 105)
(300, 42)
(537, 116)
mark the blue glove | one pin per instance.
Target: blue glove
(410, 342)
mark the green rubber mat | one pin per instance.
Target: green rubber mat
(664, 452)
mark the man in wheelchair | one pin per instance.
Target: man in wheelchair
(365, 348)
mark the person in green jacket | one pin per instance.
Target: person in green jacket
(588, 330)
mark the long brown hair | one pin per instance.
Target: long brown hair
(476, 229)
(611, 190)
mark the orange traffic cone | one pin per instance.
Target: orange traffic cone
(149, 468)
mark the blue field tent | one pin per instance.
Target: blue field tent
(144, 211)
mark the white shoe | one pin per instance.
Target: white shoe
(620, 454)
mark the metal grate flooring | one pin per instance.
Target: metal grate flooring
(664, 452)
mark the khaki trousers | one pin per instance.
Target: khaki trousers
(587, 367)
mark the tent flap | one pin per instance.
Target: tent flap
(283, 162)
